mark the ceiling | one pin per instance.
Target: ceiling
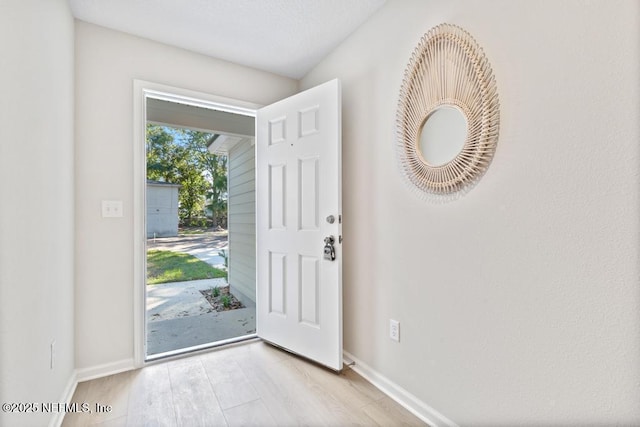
(285, 37)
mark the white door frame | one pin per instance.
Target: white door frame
(141, 91)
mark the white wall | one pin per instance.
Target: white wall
(37, 200)
(107, 62)
(519, 302)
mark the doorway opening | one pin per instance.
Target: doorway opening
(199, 221)
(295, 215)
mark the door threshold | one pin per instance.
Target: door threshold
(189, 351)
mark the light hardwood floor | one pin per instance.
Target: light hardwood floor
(250, 384)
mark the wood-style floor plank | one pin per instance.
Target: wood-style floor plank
(253, 413)
(115, 422)
(283, 409)
(334, 392)
(251, 384)
(151, 398)
(387, 412)
(229, 382)
(107, 399)
(194, 401)
(346, 386)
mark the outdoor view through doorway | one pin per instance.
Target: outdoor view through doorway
(200, 228)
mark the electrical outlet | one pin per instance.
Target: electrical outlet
(52, 357)
(394, 330)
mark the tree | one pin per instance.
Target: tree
(215, 170)
(163, 154)
(182, 157)
(191, 195)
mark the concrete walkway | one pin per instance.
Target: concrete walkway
(175, 300)
(178, 315)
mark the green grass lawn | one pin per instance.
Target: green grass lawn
(167, 266)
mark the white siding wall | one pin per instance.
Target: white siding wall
(242, 219)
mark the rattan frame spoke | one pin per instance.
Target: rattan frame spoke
(449, 68)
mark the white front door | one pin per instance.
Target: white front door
(298, 186)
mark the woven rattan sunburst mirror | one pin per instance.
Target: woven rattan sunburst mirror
(448, 113)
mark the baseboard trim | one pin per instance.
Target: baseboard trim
(67, 395)
(86, 374)
(414, 405)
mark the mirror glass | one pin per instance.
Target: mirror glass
(443, 135)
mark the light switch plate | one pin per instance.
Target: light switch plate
(112, 208)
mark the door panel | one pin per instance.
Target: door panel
(308, 193)
(309, 287)
(298, 178)
(277, 283)
(278, 196)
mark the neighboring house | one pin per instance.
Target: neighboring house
(162, 209)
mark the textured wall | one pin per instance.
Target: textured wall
(519, 302)
(37, 200)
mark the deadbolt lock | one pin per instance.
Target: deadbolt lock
(329, 248)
